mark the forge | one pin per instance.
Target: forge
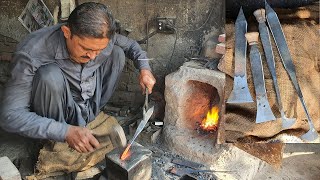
(190, 93)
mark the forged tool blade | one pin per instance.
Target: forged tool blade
(287, 62)
(240, 92)
(264, 112)
(146, 117)
(266, 43)
(186, 170)
(147, 113)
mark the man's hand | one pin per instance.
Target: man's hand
(146, 80)
(81, 139)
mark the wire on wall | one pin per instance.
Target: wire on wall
(173, 50)
(202, 25)
(147, 27)
(169, 64)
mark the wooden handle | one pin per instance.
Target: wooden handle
(260, 15)
(252, 37)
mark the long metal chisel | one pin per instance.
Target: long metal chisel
(264, 112)
(240, 92)
(279, 38)
(266, 43)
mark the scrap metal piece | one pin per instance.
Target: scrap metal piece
(264, 112)
(137, 166)
(287, 62)
(240, 92)
(265, 39)
(183, 171)
(187, 163)
(188, 177)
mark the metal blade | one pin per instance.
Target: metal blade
(311, 135)
(240, 92)
(287, 62)
(146, 117)
(266, 42)
(264, 112)
(185, 170)
(281, 43)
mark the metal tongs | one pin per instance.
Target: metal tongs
(146, 116)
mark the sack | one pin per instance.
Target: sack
(57, 158)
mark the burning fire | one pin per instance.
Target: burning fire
(126, 153)
(210, 122)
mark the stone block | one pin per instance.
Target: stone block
(149, 135)
(221, 48)
(122, 86)
(222, 38)
(134, 87)
(7, 47)
(6, 56)
(124, 98)
(7, 170)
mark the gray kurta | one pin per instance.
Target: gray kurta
(89, 84)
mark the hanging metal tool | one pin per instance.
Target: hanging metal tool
(279, 38)
(265, 39)
(147, 113)
(264, 112)
(240, 92)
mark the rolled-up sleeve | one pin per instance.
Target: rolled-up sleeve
(133, 51)
(15, 108)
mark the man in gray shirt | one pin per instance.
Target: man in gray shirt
(62, 75)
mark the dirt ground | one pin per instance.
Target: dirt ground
(301, 161)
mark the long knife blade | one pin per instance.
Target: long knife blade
(143, 123)
(240, 92)
(287, 62)
(266, 43)
(264, 112)
(146, 117)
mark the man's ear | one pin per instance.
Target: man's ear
(66, 31)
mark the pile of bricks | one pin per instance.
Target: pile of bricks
(221, 47)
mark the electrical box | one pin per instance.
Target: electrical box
(166, 25)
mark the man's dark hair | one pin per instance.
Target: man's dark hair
(91, 20)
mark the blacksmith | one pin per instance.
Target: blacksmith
(64, 74)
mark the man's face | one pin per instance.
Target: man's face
(83, 49)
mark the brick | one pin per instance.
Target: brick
(5, 39)
(7, 170)
(122, 86)
(222, 38)
(221, 48)
(6, 56)
(134, 87)
(8, 47)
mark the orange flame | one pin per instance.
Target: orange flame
(211, 121)
(126, 153)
